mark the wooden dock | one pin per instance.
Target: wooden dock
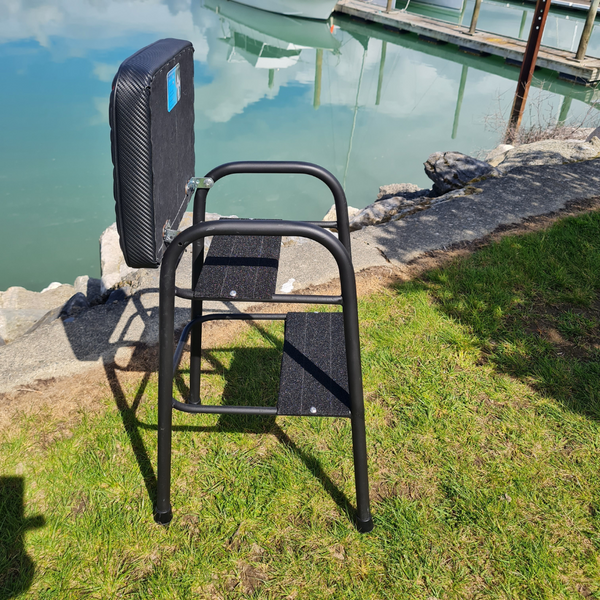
(586, 71)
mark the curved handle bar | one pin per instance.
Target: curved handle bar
(294, 167)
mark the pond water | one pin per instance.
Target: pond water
(368, 104)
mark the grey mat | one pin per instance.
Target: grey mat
(314, 378)
(240, 267)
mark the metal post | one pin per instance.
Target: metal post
(197, 264)
(475, 17)
(364, 520)
(527, 67)
(318, 73)
(587, 30)
(166, 307)
(461, 92)
(381, 68)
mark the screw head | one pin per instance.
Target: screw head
(233, 293)
(313, 410)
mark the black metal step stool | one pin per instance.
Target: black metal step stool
(321, 369)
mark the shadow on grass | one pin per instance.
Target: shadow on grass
(16, 567)
(260, 388)
(532, 302)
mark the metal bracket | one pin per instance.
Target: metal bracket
(169, 234)
(203, 183)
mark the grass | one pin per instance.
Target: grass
(482, 395)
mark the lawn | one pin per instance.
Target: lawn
(483, 421)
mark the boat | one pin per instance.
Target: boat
(306, 9)
(268, 40)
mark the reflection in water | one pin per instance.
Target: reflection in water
(367, 104)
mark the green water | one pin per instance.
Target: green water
(367, 104)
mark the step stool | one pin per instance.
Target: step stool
(151, 118)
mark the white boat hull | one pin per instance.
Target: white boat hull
(307, 9)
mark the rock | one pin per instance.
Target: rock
(406, 190)
(332, 213)
(594, 134)
(382, 211)
(18, 298)
(496, 156)
(113, 267)
(119, 295)
(90, 287)
(52, 286)
(22, 311)
(453, 170)
(16, 322)
(549, 152)
(76, 304)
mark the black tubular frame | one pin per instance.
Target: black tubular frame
(169, 358)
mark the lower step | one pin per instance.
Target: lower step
(314, 376)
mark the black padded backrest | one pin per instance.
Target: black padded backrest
(152, 144)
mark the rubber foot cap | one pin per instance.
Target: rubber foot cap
(163, 517)
(364, 526)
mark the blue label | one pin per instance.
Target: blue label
(173, 87)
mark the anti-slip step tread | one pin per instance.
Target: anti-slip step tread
(314, 377)
(240, 267)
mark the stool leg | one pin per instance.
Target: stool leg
(364, 521)
(166, 315)
(195, 355)
(163, 512)
(197, 264)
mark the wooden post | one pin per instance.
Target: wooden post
(318, 74)
(390, 5)
(564, 109)
(587, 30)
(542, 8)
(381, 68)
(461, 93)
(523, 21)
(475, 17)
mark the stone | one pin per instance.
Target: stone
(21, 309)
(90, 287)
(549, 152)
(113, 267)
(496, 156)
(594, 134)
(67, 312)
(76, 304)
(52, 286)
(406, 190)
(117, 295)
(16, 322)
(48, 318)
(18, 298)
(453, 170)
(382, 211)
(332, 213)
